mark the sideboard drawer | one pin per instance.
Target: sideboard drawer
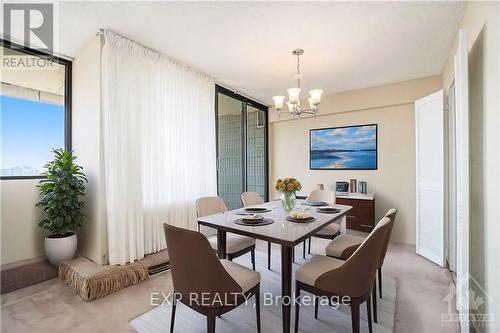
(358, 223)
(362, 215)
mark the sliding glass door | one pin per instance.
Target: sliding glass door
(241, 147)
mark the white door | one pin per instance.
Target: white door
(452, 180)
(462, 168)
(429, 131)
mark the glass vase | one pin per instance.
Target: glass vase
(288, 200)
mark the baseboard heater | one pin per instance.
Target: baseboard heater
(158, 268)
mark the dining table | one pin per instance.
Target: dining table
(283, 232)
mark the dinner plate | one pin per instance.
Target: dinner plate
(316, 203)
(304, 220)
(328, 210)
(256, 209)
(259, 223)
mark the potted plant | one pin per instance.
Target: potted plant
(60, 193)
(287, 187)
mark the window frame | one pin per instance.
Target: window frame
(245, 101)
(67, 94)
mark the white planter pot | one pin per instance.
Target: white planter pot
(60, 249)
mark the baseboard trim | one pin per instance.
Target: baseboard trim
(25, 273)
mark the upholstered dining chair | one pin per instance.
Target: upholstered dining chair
(353, 278)
(204, 283)
(345, 245)
(236, 245)
(252, 199)
(330, 231)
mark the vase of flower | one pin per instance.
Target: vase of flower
(287, 188)
(288, 200)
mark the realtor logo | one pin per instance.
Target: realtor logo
(478, 298)
(30, 23)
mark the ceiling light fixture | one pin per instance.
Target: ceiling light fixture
(293, 102)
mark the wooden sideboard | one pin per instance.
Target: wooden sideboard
(362, 215)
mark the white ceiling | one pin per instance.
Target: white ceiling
(247, 45)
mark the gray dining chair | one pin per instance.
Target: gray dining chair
(330, 231)
(206, 284)
(252, 199)
(354, 278)
(345, 245)
(236, 245)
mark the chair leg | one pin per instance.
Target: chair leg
(293, 254)
(211, 323)
(380, 281)
(297, 308)
(355, 316)
(374, 300)
(269, 255)
(172, 318)
(304, 249)
(309, 250)
(252, 253)
(369, 314)
(316, 307)
(257, 308)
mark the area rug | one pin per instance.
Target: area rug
(242, 319)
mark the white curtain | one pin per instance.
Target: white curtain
(158, 143)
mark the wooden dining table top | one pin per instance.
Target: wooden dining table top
(281, 231)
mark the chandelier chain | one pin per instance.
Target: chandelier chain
(298, 71)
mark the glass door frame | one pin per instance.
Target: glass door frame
(245, 102)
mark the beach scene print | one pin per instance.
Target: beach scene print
(353, 147)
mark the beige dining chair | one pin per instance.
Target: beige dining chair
(252, 199)
(204, 283)
(236, 245)
(345, 245)
(326, 276)
(330, 231)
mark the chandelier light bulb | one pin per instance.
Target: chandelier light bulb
(311, 104)
(293, 95)
(315, 96)
(278, 102)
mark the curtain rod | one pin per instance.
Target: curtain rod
(101, 32)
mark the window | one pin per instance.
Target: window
(241, 147)
(35, 110)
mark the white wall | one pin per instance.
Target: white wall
(86, 137)
(389, 106)
(481, 22)
(22, 238)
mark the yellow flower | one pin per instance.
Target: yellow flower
(290, 187)
(281, 187)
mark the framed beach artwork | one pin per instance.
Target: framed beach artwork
(343, 148)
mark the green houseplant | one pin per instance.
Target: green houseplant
(61, 193)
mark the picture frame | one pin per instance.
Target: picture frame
(353, 147)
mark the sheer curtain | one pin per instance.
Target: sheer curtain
(158, 143)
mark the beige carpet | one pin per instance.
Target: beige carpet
(242, 319)
(51, 306)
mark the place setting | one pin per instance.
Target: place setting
(300, 216)
(253, 210)
(253, 220)
(315, 203)
(327, 210)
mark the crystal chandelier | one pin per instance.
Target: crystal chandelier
(293, 102)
